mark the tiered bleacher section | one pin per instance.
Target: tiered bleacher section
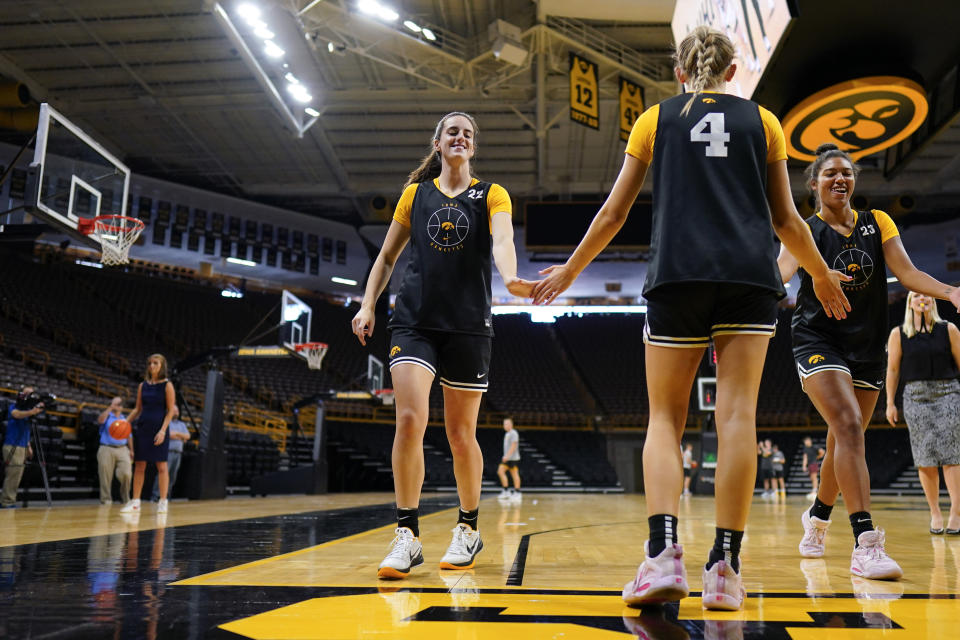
(608, 351)
(84, 335)
(529, 376)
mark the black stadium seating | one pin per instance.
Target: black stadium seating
(84, 334)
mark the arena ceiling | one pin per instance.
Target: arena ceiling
(165, 86)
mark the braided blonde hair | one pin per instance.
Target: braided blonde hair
(704, 55)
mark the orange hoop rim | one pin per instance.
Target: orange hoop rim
(87, 225)
(304, 346)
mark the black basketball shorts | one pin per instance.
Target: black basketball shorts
(511, 465)
(689, 314)
(462, 360)
(814, 359)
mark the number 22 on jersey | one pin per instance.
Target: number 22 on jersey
(710, 129)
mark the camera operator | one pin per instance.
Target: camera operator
(16, 443)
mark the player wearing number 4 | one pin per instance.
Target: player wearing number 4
(841, 362)
(719, 171)
(442, 326)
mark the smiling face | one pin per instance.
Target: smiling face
(834, 183)
(921, 303)
(456, 142)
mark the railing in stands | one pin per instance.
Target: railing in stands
(106, 357)
(100, 386)
(38, 357)
(64, 337)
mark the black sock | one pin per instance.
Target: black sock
(409, 518)
(663, 532)
(860, 521)
(469, 518)
(821, 510)
(726, 546)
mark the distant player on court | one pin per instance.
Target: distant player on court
(719, 169)
(510, 462)
(842, 362)
(442, 326)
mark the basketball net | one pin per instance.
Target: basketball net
(116, 234)
(314, 352)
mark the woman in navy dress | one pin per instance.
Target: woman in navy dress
(151, 441)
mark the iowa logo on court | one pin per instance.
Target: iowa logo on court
(394, 350)
(860, 116)
(815, 359)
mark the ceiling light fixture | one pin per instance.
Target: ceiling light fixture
(292, 79)
(263, 32)
(246, 263)
(429, 35)
(248, 12)
(300, 93)
(271, 49)
(313, 113)
(374, 8)
(413, 26)
(346, 281)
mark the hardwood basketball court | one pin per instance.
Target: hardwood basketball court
(552, 567)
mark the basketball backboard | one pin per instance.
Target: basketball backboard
(295, 319)
(72, 176)
(375, 378)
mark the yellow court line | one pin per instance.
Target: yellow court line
(199, 580)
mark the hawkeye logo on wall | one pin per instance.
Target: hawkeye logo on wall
(860, 116)
(448, 228)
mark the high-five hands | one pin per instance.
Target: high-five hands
(558, 279)
(831, 295)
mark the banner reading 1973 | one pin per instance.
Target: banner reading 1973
(584, 92)
(631, 106)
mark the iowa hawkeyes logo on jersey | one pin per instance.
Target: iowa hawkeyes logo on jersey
(448, 228)
(394, 350)
(815, 359)
(860, 116)
(857, 264)
(709, 101)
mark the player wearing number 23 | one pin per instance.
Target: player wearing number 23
(720, 192)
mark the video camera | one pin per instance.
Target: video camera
(33, 399)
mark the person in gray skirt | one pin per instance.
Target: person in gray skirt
(924, 353)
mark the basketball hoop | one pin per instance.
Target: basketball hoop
(385, 396)
(116, 234)
(313, 352)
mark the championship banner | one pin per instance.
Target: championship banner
(631, 106)
(584, 92)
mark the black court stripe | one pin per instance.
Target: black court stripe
(515, 577)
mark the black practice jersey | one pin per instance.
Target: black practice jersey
(862, 335)
(711, 220)
(446, 286)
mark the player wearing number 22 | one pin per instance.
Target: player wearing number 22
(441, 327)
(719, 172)
(841, 362)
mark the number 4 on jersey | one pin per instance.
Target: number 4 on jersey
(716, 138)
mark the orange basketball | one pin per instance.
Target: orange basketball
(119, 429)
(694, 464)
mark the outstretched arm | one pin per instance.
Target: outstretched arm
(604, 227)
(505, 255)
(912, 278)
(795, 235)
